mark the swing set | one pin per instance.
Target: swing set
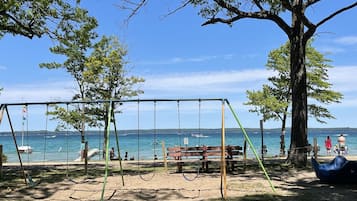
(111, 119)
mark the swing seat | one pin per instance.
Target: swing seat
(31, 182)
(339, 170)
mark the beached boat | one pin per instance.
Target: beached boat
(90, 154)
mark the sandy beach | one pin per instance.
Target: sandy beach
(158, 184)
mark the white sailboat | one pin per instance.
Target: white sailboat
(198, 135)
(24, 148)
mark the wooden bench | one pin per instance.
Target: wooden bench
(204, 154)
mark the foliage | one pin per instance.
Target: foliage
(106, 78)
(273, 100)
(99, 71)
(106, 74)
(72, 117)
(266, 104)
(74, 42)
(35, 18)
(42, 17)
(4, 158)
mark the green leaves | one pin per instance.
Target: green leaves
(100, 73)
(273, 101)
(36, 18)
(106, 73)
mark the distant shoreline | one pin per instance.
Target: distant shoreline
(186, 130)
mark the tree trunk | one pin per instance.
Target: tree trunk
(297, 154)
(105, 132)
(282, 137)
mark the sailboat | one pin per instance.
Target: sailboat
(24, 148)
(198, 135)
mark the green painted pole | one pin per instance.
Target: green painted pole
(118, 147)
(107, 151)
(251, 146)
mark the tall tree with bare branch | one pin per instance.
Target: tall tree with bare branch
(298, 28)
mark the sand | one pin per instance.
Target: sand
(289, 184)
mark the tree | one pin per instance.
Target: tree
(274, 100)
(35, 18)
(100, 73)
(74, 42)
(107, 78)
(298, 28)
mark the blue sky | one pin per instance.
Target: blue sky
(181, 59)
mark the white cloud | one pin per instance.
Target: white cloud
(177, 60)
(206, 82)
(347, 40)
(343, 78)
(37, 92)
(213, 84)
(346, 103)
(341, 42)
(331, 50)
(3, 67)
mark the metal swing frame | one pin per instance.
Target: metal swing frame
(179, 130)
(224, 101)
(154, 143)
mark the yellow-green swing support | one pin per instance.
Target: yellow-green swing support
(107, 130)
(251, 146)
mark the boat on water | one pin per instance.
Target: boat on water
(25, 149)
(198, 135)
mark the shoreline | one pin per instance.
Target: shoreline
(74, 162)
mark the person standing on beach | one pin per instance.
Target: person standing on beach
(112, 154)
(328, 145)
(341, 144)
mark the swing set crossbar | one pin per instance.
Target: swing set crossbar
(114, 101)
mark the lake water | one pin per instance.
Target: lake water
(65, 146)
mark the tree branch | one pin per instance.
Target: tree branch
(286, 4)
(310, 2)
(258, 5)
(136, 8)
(221, 20)
(263, 14)
(178, 8)
(29, 32)
(336, 13)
